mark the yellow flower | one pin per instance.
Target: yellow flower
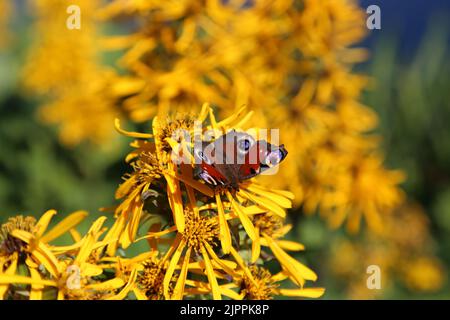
(78, 271)
(255, 283)
(151, 163)
(264, 286)
(63, 66)
(198, 239)
(291, 61)
(403, 250)
(368, 191)
(424, 274)
(160, 163)
(270, 229)
(23, 241)
(162, 57)
(150, 281)
(249, 195)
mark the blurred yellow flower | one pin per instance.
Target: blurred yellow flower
(403, 250)
(424, 274)
(263, 286)
(64, 66)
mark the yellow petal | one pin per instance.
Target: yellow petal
(212, 119)
(225, 265)
(4, 278)
(204, 112)
(76, 236)
(129, 133)
(108, 285)
(158, 234)
(290, 245)
(174, 195)
(65, 225)
(231, 294)
(275, 197)
(306, 292)
(36, 289)
(91, 238)
(128, 287)
(63, 249)
(126, 186)
(245, 220)
(297, 271)
(253, 209)
(211, 276)
(242, 265)
(225, 236)
(10, 271)
(90, 270)
(172, 265)
(43, 222)
(133, 225)
(139, 294)
(179, 287)
(256, 246)
(280, 276)
(197, 185)
(265, 203)
(114, 234)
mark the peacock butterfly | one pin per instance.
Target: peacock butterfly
(235, 157)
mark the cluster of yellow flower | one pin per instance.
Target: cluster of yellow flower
(65, 68)
(290, 60)
(403, 251)
(202, 242)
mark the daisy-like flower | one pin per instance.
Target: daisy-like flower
(264, 286)
(25, 241)
(150, 281)
(255, 282)
(193, 250)
(270, 229)
(403, 250)
(369, 192)
(247, 194)
(64, 67)
(77, 271)
(166, 49)
(158, 162)
(153, 169)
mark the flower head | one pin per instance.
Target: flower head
(25, 241)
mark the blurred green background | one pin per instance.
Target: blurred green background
(410, 92)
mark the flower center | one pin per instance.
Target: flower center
(152, 277)
(261, 288)
(200, 229)
(10, 244)
(147, 168)
(175, 129)
(267, 223)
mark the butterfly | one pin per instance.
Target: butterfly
(235, 157)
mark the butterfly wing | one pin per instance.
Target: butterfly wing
(235, 157)
(206, 167)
